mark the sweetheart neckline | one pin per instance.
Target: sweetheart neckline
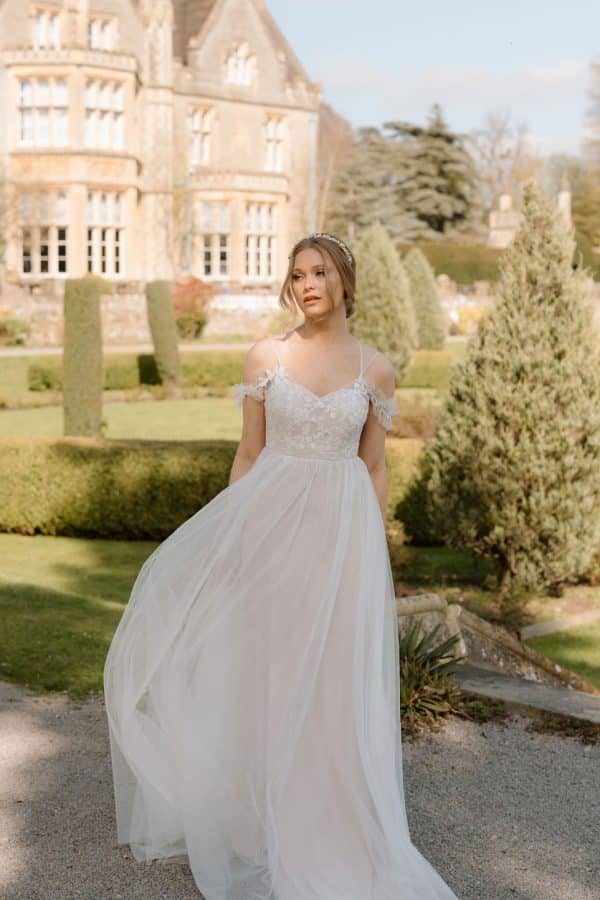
(347, 387)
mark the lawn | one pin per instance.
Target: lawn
(204, 418)
(577, 649)
(60, 602)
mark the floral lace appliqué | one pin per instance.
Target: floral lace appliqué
(383, 407)
(254, 389)
(300, 423)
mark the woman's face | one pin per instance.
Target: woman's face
(316, 283)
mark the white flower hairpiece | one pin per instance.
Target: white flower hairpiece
(330, 237)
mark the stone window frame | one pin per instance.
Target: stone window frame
(240, 65)
(201, 120)
(274, 134)
(102, 32)
(45, 27)
(105, 232)
(260, 241)
(214, 238)
(43, 111)
(104, 116)
(43, 233)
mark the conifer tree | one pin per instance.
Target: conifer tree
(384, 316)
(426, 300)
(439, 180)
(513, 472)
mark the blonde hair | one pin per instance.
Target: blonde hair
(328, 248)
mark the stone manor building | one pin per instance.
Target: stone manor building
(145, 139)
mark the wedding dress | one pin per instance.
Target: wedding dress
(252, 684)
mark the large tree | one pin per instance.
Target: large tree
(363, 191)
(503, 156)
(513, 472)
(436, 177)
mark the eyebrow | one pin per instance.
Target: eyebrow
(298, 269)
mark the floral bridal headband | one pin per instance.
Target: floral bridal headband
(330, 237)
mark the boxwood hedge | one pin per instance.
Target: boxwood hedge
(95, 487)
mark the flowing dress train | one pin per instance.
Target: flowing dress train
(252, 684)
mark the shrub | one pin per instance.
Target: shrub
(45, 376)
(513, 472)
(13, 330)
(163, 328)
(218, 369)
(384, 315)
(427, 303)
(463, 263)
(148, 369)
(130, 490)
(82, 356)
(191, 299)
(426, 693)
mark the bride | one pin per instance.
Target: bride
(252, 685)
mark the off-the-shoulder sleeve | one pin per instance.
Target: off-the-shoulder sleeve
(254, 388)
(384, 407)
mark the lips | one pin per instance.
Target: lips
(308, 299)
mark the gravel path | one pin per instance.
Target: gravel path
(499, 811)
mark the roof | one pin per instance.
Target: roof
(191, 16)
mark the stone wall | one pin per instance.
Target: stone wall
(250, 315)
(482, 643)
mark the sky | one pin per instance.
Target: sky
(389, 60)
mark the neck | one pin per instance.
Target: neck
(327, 332)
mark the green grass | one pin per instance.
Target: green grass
(577, 649)
(205, 418)
(13, 377)
(60, 602)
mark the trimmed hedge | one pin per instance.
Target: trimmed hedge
(82, 357)
(130, 490)
(463, 263)
(126, 370)
(165, 336)
(218, 369)
(466, 263)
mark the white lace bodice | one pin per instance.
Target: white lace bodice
(300, 423)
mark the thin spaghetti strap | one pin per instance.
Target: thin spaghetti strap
(275, 351)
(371, 360)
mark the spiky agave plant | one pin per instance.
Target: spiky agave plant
(426, 692)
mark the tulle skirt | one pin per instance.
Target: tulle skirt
(252, 695)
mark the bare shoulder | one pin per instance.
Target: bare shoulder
(380, 371)
(259, 357)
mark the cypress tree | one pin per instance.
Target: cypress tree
(83, 377)
(513, 472)
(384, 316)
(163, 327)
(427, 303)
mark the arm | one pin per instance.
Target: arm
(372, 442)
(253, 436)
